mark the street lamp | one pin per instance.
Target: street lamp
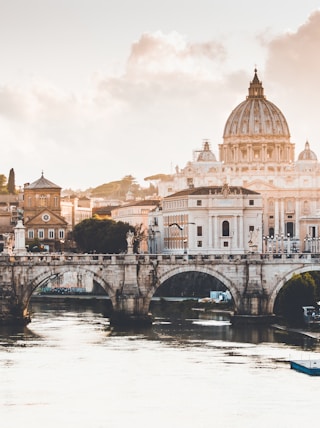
(181, 228)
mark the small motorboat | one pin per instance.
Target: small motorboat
(310, 367)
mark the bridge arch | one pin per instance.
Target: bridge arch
(49, 271)
(209, 270)
(283, 280)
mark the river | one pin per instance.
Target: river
(68, 368)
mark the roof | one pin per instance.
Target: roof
(42, 183)
(145, 202)
(224, 190)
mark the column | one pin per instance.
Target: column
(241, 232)
(234, 240)
(276, 217)
(297, 224)
(210, 232)
(282, 228)
(215, 234)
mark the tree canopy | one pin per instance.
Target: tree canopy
(101, 236)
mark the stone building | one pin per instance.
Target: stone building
(256, 153)
(42, 215)
(215, 219)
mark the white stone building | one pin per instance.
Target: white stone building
(215, 219)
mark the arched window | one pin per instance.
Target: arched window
(225, 228)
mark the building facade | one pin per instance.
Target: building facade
(214, 219)
(42, 215)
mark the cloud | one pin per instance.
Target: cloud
(172, 53)
(293, 67)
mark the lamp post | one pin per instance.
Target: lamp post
(183, 240)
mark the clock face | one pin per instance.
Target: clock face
(45, 217)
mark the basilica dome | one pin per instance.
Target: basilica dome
(256, 116)
(307, 154)
(206, 154)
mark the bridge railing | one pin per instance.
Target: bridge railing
(81, 258)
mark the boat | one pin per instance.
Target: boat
(310, 367)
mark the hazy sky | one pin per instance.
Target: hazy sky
(92, 90)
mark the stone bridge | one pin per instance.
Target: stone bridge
(130, 280)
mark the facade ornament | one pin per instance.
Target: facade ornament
(225, 190)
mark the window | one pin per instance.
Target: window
(43, 201)
(61, 233)
(41, 233)
(30, 234)
(51, 233)
(199, 230)
(226, 244)
(225, 228)
(251, 228)
(199, 243)
(251, 202)
(55, 201)
(199, 203)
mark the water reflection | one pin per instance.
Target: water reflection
(69, 367)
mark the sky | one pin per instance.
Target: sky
(93, 90)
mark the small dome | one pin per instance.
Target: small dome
(307, 154)
(206, 154)
(256, 116)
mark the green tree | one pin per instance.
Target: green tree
(11, 186)
(299, 291)
(101, 236)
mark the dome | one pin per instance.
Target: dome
(256, 116)
(206, 154)
(307, 154)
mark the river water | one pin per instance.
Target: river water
(68, 368)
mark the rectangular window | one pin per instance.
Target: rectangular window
(251, 228)
(41, 233)
(199, 230)
(61, 233)
(251, 202)
(51, 233)
(199, 244)
(226, 244)
(199, 203)
(30, 234)
(55, 201)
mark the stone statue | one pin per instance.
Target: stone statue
(8, 243)
(130, 238)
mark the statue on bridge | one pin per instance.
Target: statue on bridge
(8, 243)
(253, 241)
(130, 240)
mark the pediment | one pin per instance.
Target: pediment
(260, 185)
(46, 218)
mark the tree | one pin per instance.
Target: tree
(11, 186)
(101, 236)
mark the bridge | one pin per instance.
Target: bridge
(131, 280)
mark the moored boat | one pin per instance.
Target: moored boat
(310, 367)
